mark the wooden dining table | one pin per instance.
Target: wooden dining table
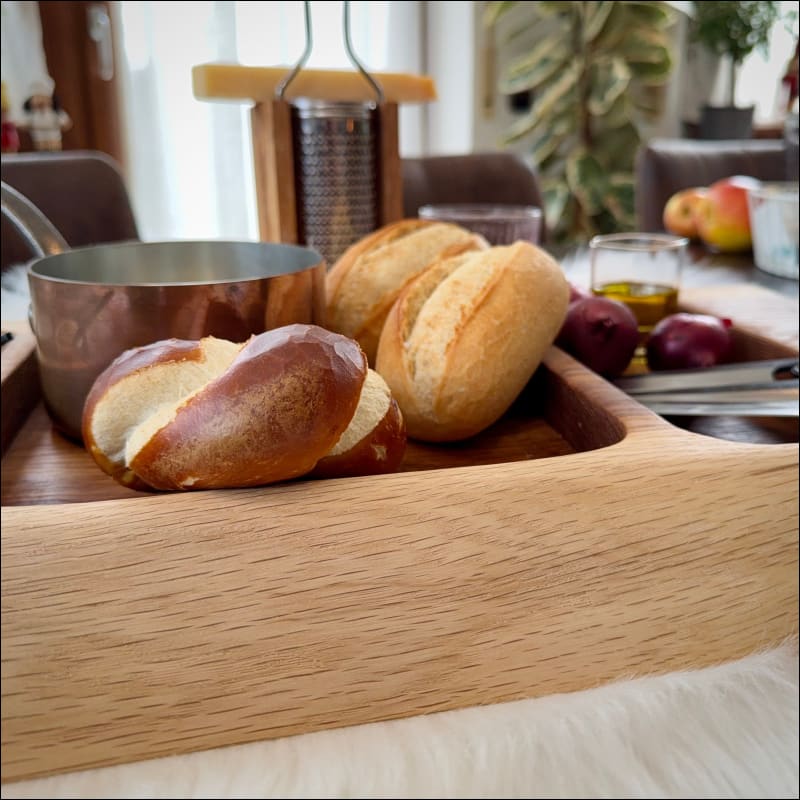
(579, 540)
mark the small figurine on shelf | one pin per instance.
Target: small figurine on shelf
(10, 137)
(790, 79)
(44, 118)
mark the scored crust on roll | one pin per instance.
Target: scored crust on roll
(464, 338)
(365, 282)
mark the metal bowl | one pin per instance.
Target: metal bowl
(90, 304)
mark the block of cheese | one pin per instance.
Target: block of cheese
(215, 81)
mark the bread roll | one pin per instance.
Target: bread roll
(364, 283)
(374, 442)
(466, 335)
(213, 414)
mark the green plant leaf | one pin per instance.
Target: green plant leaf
(649, 100)
(652, 14)
(558, 207)
(532, 121)
(619, 199)
(616, 149)
(494, 11)
(603, 222)
(652, 74)
(547, 141)
(546, 58)
(608, 78)
(734, 29)
(556, 8)
(614, 31)
(553, 102)
(553, 165)
(596, 16)
(645, 46)
(587, 180)
(620, 113)
(549, 101)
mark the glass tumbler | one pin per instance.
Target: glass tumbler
(642, 270)
(498, 224)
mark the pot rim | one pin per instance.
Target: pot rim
(62, 267)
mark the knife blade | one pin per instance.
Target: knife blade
(767, 374)
(773, 409)
(723, 396)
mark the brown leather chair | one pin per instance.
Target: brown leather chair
(664, 166)
(81, 192)
(503, 178)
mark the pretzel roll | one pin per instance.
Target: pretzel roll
(214, 414)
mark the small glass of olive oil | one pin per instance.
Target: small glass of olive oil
(642, 270)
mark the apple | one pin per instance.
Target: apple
(723, 217)
(680, 211)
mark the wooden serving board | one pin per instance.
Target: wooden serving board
(584, 539)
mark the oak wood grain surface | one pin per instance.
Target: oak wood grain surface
(133, 628)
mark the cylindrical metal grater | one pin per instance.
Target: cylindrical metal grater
(336, 168)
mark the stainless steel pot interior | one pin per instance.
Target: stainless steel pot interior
(178, 263)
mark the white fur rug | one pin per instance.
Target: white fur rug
(726, 731)
(15, 294)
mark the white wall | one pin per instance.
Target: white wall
(450, 60)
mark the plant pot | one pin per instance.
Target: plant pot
(726, 122)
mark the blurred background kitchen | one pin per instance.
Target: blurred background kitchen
(120, 75)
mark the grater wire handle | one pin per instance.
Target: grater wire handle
(280, 89)
(348, 46)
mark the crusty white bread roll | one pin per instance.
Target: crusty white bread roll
(465, 337)
(364, 283)
(213, 414)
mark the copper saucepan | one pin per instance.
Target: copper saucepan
(90, 304)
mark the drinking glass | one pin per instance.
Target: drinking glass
(498, 224)
(642, 270)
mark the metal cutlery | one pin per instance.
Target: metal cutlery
(755, 388)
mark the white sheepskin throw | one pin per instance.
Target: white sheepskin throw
(15, 293)
(725, 731)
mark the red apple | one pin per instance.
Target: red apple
(680, 211)
(723, 218)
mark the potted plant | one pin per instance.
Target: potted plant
(732, 30)
(596, 75)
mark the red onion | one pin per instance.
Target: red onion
(601, 333)
(687, 341)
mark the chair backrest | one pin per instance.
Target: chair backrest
(82, 193)
(503, 178)
(665, 166)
